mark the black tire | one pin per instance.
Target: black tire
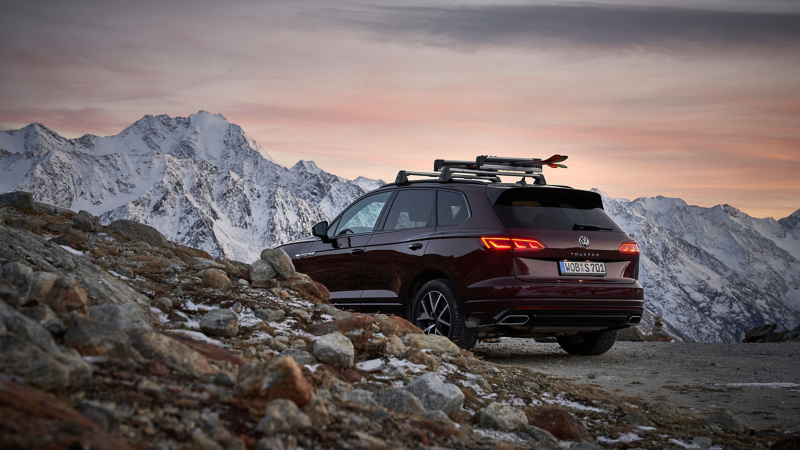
(588, 343)
(430, 314)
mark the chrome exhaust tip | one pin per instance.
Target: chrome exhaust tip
(514, 320)
(635, 319)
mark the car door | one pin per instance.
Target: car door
(396, 251)
(336, 261)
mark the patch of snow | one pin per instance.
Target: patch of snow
(369, 366)
(775, 385)
(627, 437)
(500, 435)
(679, 443)
(198, 336)
(162, 318)
(72, 250)
(404, 364)
(123, 277)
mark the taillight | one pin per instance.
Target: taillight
(504, 243)
(629, 248)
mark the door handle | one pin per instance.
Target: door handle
(416, 246)
(356, 251)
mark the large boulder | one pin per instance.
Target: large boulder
(159, 347)
(726, 421)
(45, 317)
(67, 295)
(29, 362)
(335, 349)
(216, 279)
(20, 200)
(390, 325)
(498, 416)
(138, 232)
(400, 401)
(125, 317)
(220, 322)
(261, 270)
(279, 261)
(282, 415)
(637, 419)
(301, 357)
(20, 275)
(439, 344)
(435, 394)
(543, 437)
(273, 379)
(90, 337)
(41, 285)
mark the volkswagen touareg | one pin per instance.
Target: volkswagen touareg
(461, 254)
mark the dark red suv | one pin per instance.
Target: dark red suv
(461, 254)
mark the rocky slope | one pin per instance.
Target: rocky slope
(713, 273)
(200, 180)
(114, 337)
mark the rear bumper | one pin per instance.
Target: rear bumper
(555, 308)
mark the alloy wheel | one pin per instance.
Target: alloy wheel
(433, 315)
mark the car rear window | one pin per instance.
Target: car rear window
(451, 208)
(411, 209)
(552, 210)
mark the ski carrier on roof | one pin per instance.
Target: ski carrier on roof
(487, 168)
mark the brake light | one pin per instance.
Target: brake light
(629, 248)
(504, 243)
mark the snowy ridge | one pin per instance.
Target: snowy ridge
(713, 273)
(200, 180)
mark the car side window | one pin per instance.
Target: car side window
(363, 215)
(413, 208)
(451, 208)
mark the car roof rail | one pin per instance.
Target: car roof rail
(488, 169)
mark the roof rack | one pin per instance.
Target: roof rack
(487, 168)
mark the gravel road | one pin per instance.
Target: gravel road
(758, 383)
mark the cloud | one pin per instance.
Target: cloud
(590, 26)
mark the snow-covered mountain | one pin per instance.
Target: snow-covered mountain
(713, 273)
(200, 180)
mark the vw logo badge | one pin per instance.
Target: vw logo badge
(584, 241)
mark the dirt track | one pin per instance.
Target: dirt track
(697, 377)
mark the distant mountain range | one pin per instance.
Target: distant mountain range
(711, 273)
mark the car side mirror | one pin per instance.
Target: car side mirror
(320, 230)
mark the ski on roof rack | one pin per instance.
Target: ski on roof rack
(487, 168)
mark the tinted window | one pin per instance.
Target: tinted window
(545, 209)
(451, 209)
(412, 208)
(362, 216)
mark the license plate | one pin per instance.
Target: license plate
(586, 268)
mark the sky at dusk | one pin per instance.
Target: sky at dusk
(690, 99)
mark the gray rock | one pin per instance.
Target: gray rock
(498, 416)
(261, 270)
(335, 349)
(148, 387)
(282, 415)
(546, 440)
(439, 344)
(45, 317)
(301, 314)
(88, 216)
(359, 396)
(18, 199)
(334, 312)
(435, 394)
(82, 223)
(157, 346)
(32, 364)
(701, 442)
(99, 414)
(270, 315)
(124, 271)
(633, 334)
(394, 346)
(584, 446)
(275, 344)
(90, 337)
(203, 264)
(125, 317)
(237, 308)
(301, 357)
(636, 418)
(400, 401)
(439, 417)
(224, 379)
(163, 304)
(203, 442)
(664, 409)
(20, 275)
(220, 322)
(27, 329)
(136, 232)
(8, 294)
(299, 344)
(40, 287)
(279, 261)
(726, 421)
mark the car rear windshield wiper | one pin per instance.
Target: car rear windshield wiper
(588, 226)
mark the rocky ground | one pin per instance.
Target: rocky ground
(114, 337)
